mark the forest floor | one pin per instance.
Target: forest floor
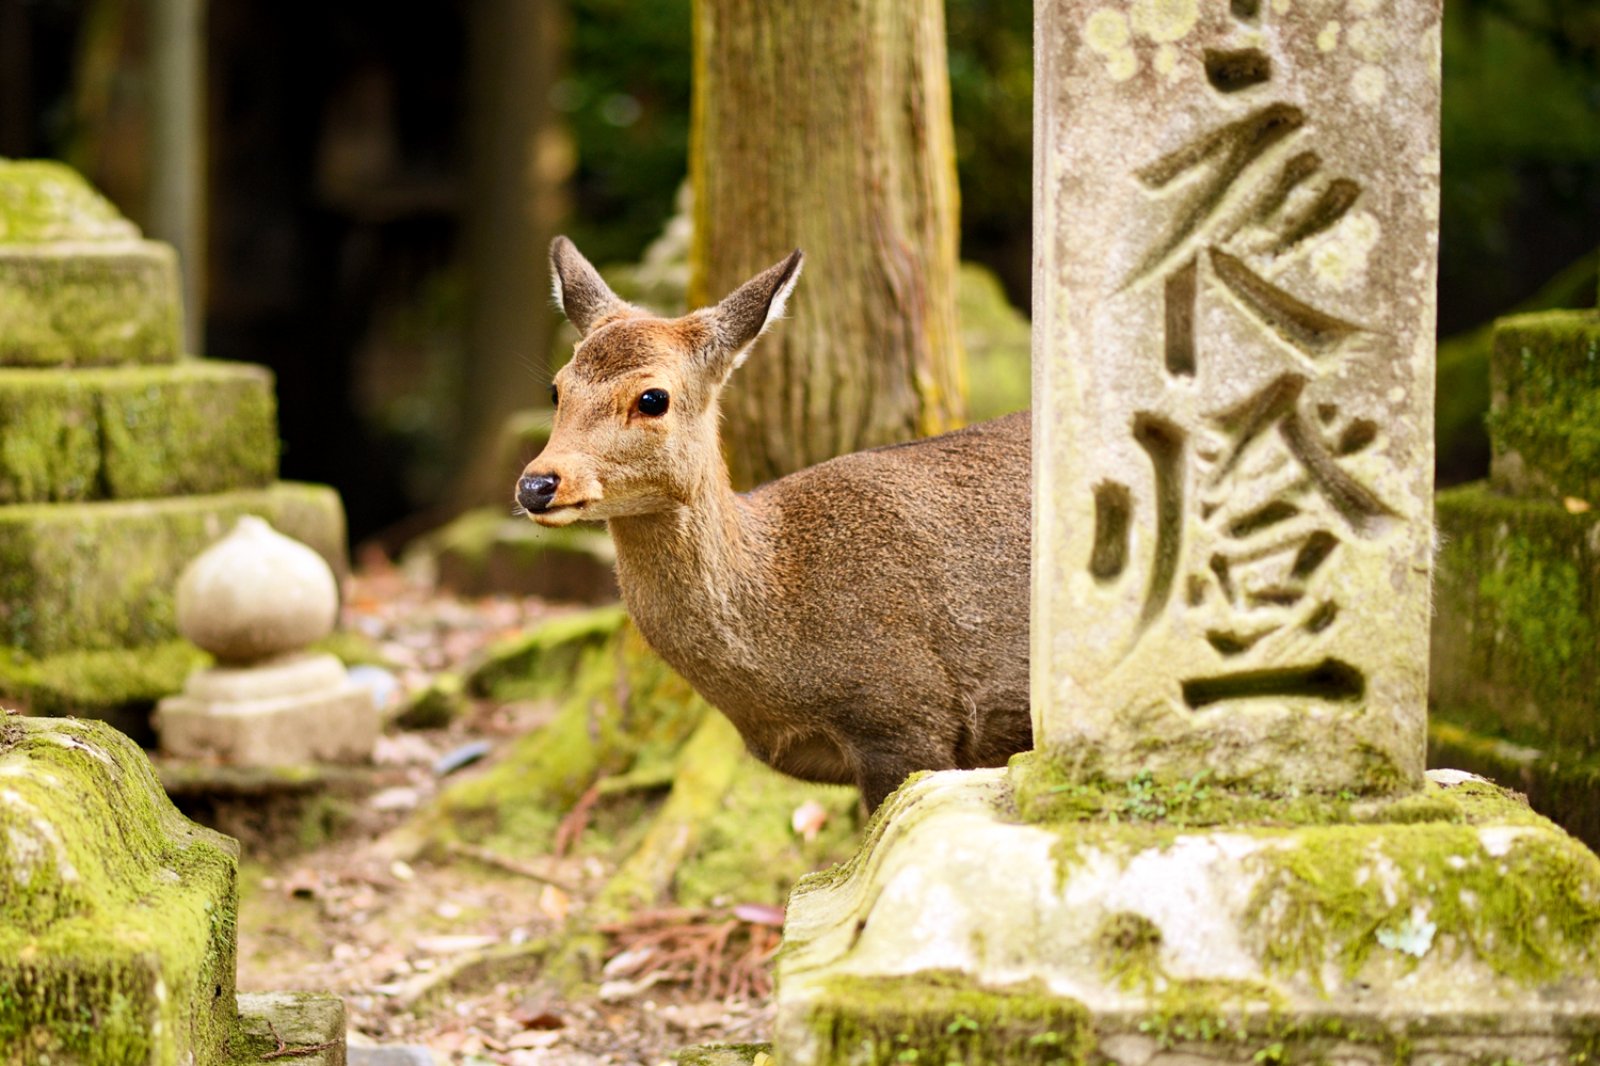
(449, 953)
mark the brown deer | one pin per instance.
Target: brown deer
(857, 621)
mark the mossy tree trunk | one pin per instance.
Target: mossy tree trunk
(826, 125)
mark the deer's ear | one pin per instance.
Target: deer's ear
(747, 311)
(579, 290)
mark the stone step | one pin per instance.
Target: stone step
(87, 576)
(117, 915)
(1560, 783)
(195, 426)
(1544, 421)
(1517, 618)
(78, 287)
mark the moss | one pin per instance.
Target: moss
(621, 707)
(999, 343)
(302, 1020)
(352, 648)
(89, 305)
(1560, 783)
(1518, 618)
(435, 706)
(1545, 419)
(135, 432)
(95, 576)
(934, 1019)
(99, 684)
(488, 551)
(726, 1055)
(42, 200)
(116, 914)
(1523, 904)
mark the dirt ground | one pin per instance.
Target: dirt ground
(455, 953)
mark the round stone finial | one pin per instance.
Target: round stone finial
(256, 593)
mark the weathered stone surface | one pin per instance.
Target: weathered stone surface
(299, 709)
(116, 913)
(1452, 925)
(256, 593)
(132, 432)
(72, 304)
(1236, 233)
(1544, 419)
(488, 552)
(117, 685)
(1517, 621)
(77, 285)
(89, 576)
(726, 1055)
(1561, 782)
(309, 1025)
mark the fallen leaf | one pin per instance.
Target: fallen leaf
(453, 944)
(554, 903)
(1574, 505)
(808, 819)
(759, 914)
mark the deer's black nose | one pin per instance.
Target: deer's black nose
(535, 491)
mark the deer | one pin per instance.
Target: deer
(858, 620)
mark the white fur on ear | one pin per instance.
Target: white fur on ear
(555, 291)
(775, 311)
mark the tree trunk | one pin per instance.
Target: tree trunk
(517, 167)
(826, 125)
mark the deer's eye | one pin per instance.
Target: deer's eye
(555, 395)
(653, 402)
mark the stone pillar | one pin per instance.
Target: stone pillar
(1225, 849)
(1235, 237)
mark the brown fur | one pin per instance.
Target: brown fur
(857, 621)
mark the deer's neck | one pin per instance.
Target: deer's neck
(691, 575)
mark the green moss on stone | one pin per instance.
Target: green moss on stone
(1545, 418)
(89, 304)
(725, 1055)
(1561, 783)
(933, 1019)
(98, 684)
(42, 200)
(134, 432)
(1517, 621)
(1520, 900)
(621, 707)
(116, 914)
(95, 576)
(487, 551)
(436, 706)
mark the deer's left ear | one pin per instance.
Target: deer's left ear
(747, 311)
(584, 296)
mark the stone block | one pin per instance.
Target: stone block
(306, 1028)
(1516, 622)
(1561, 783)
(487, 552)
(283, 712)
(1544, 417)
(117, 685)
(89, 304)
(726, 1055)
(1236, 229)
(91, 576)
(134, 432)
(1169, 921)
(117, 915)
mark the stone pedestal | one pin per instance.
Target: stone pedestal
(1224, 848)
(118, 917)
(121, 457)
(1021, 918)
(296, 710)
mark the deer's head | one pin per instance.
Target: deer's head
(635, 426)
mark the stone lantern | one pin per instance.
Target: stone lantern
(256, 600)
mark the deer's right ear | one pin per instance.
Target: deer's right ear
(579, 289)
(746, 312)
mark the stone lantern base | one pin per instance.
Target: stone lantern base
(1015, 916)
(291, 710)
